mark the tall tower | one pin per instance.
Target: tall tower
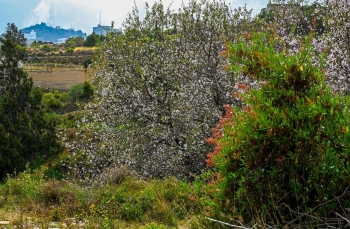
(100, 19)
(52, 13)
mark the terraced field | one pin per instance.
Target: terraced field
(61, 80)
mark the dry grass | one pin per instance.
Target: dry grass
(63, 79)
(84, 49)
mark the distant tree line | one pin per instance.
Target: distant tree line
(48, 33)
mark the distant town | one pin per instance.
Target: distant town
(57, 34)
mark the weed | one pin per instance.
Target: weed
(156, 203)
(154, 226)
(26, 186)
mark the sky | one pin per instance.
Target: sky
(85, 14)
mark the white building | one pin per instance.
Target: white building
(31, 35)
(103, 29)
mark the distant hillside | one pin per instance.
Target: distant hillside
(48, 33)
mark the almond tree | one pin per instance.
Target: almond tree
(329, 22)
(161, 87)
(335, 44)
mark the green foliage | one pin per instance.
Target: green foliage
(10, 156)
(26, 186)
(78, 41)
(155, 226)
(46, 48)
(54, 99)
(164, 202)
(34, 44)
(74, 41)
(87, 62)
(266, 15)
(70, 49)
(157, 203)
(91, 40)
(287, 150)
(57, 170)
(83, 91)
(16, 38)
(24, 132)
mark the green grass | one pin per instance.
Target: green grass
(134, 203)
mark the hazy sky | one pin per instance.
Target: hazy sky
(84, 14)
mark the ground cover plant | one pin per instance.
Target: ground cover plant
(130, 203)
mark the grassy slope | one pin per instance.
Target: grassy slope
(133, 203)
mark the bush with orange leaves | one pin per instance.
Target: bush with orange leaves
(278, 155)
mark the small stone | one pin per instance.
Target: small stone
(4, 222)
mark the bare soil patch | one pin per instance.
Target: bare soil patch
(62, 80)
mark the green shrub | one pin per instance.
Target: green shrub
(54, 99)
(87, 62)
(54, 118)
(70, 49)
(287, 150)
(50, 101)
(60, 192)
(57, 171)
(46, 48)
(91, 40)
(88, 91)
(26, 186)
(83, 91)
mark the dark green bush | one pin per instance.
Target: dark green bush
(25, 134)
(83, 91)
(91, 40)
(287, 150)
(87, 62)
(88, 91)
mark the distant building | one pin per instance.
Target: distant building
(103, 29)
(48, 33)
(61, 40)
(31, 35)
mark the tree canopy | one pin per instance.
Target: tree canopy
(25, 134)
